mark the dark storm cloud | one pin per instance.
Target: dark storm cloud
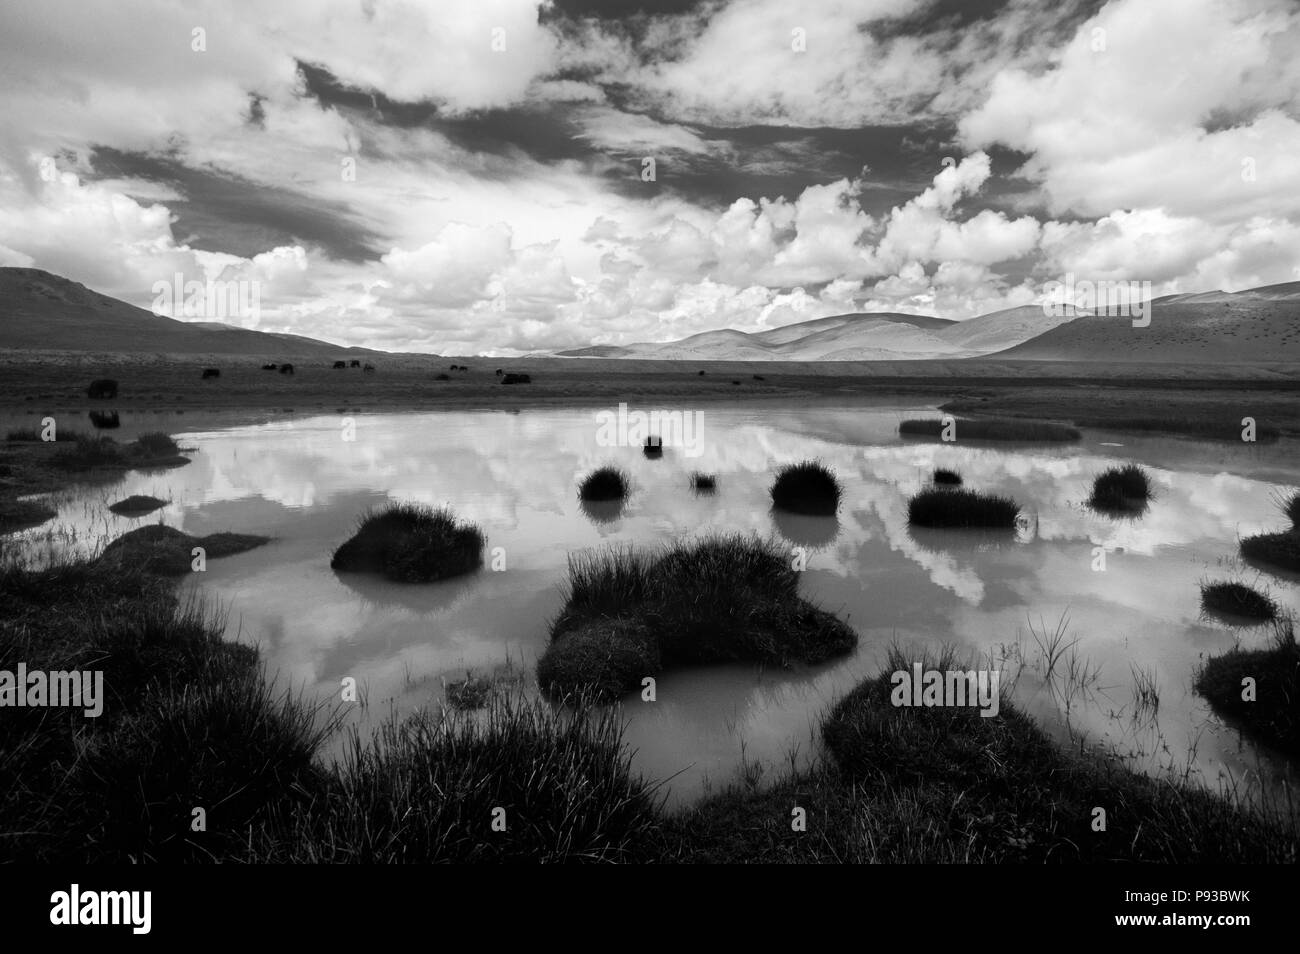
(222, 213)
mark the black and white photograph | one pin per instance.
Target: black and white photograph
(650, 432)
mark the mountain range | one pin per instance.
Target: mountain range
(42, 311)
(1257, 325)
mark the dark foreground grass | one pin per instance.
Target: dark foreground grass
(945, 784)
(1272, 715)
(167, 551)
(1237, 599)
(629, 613)
(431, 788)
(411, 543)
(989, 429)
(806, 487)
(1124, 489)
(942, 507)
(1274, 549)
(188, 720)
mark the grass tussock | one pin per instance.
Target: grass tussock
(629, 613)
(936, 507)
(1274, 549)
(990, 429)
(1265, 707)
(807, 487)
(1237, 599)
(947, 478)
(167, 551)
(1124, 489)
(103, 453)
(18, 515)
(136, 505)
(1291, 507)
(703, 483)
(653, 446)
(411, 543)
(431, 788)
(947, 785)
(605, 483)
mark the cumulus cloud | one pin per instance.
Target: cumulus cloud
(1155, 140)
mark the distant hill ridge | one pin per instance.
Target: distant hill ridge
(1258, 325)
(43, 311)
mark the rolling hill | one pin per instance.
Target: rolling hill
(872, 336)
(1259, 325)
(41, 311)
(1247, 327)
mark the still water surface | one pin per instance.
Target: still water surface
(299, 481)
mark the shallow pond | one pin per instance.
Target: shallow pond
(1127, 589)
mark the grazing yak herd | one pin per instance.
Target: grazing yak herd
(106, 388)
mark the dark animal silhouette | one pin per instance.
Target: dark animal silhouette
(368, 367)
(442, 377)
(286, 369)
(269, 367)
(356, 364)
(701, 374)
(516, 379)
(340, 364)
(102, 388)
(759, 377)
(211, 373)
(105, 419)
(499, 372)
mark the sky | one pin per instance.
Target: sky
(515, 176)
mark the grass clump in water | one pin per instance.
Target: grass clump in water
(703, 483)
(1237, 599)
(605, 483)
(1272, 715)
(989, 429)
(807, 487)
(653, 446)
(1275, 549)
(169, 552)
(23, 514)
(947, 478)
(935, 507)
(411, 543)
(136, 504)
(729, 598)
(1124, 489)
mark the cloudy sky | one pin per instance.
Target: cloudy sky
(468, 176)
